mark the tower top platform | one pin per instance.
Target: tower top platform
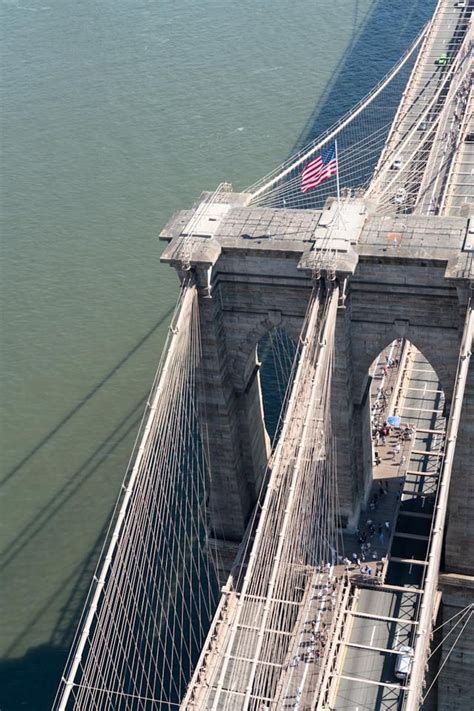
(347, 232)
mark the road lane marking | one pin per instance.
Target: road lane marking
(372, 635)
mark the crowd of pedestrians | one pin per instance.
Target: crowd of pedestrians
(316, 630)
(399, 436)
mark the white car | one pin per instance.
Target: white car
(404, 662)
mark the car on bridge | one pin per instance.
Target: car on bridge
(442, 60)
(404, 662)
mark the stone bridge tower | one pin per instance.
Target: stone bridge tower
(407, 276)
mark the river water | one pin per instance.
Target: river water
(115, 114)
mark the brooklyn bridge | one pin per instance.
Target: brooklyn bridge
(322, 558)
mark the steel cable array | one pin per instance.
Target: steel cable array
(373, 134)
(296, 533)
(155, 591)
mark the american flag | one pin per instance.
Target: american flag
(319, 169)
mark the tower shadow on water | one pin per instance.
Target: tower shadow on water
(388, 30)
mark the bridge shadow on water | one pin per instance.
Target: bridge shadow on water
(360, 69)
(30, 682)
(73, 483)
(87, 397)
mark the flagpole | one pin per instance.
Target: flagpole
(337, 181)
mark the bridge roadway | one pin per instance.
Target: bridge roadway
(382, 619)
(404, 158)
(348, 632)
(460, 188)
(442, 148)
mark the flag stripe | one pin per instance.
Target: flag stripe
(307, 174)
(316, 179)
(314, 171)
(311, 167)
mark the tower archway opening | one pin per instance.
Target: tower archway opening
(276, 353)
(403, 445)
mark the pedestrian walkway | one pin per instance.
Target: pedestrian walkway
(326, 596)
(367, 548)
(382, 621)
